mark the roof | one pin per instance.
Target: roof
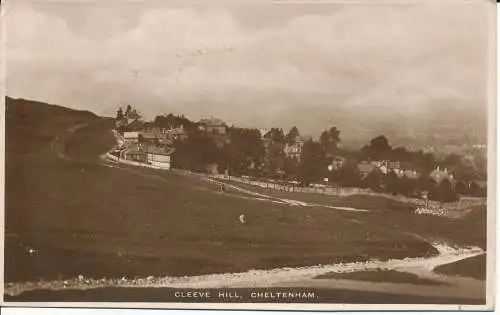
(134, 150)
(153, 135)
(135, 125)
(438, 175)
(212, 122)
(365, 167)
(178, 131)
(130, 135)
(160, 150)
(411, 174)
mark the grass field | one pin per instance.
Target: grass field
(474, 267)
(82, 217)
(389, 276)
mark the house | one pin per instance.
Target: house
(131, 137)
(263, 132)
(212, 126)
(156, 137)
(294, 151)
(177, 133)
(337, 163)
(410, 174)
(134, 125)
(365, 168)
(159, 157)
(135, 153)
(216, 129)
(438, 175)
(386, 166)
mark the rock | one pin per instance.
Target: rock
(242, 219)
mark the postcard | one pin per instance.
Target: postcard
(271, 155)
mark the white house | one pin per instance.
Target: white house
(159, 157)
(131, 137)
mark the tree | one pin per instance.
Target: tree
(119, 114)
(276, 135)
(128, 110)
(407, 186)
(196, 153)
(425, 183)
(348, 175)
(313, 163)
(245, 151)
(444, 192)
(373, 180)
(392, 183)
(378, 148)
(292, 135)
(329, 140)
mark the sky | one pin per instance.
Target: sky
(256, 64)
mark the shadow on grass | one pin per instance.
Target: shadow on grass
(379, 275)
(474, 267)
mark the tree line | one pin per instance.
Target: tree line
(247, 152)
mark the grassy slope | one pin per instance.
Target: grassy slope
(474, 267)
(392, 215)
(389, 276)
(89, 219)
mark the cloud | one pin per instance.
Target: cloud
(184, 59)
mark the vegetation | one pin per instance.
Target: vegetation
(474, 267)
(381, 275)
(86, 218)
(245, 151)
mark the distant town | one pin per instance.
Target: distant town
(210, 146)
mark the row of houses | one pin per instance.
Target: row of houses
(386, 167)
(437, 175)
(144, 143)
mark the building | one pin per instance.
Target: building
(410, 174)
(386, 166)
(134, 153)
(131, 137)
(438, 175)
(159, 157)
(294, 151)
(178, 133)
(366, 168)
(156, 137)
(337, 163)
(212, 126)
(263, 132)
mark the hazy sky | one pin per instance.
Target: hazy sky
(304, 63)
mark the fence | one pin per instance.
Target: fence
(133, 163)
(462, 203)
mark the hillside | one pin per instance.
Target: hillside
(32, 125)
(85, 217)
(70, 214)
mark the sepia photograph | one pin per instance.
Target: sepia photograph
(314, 155)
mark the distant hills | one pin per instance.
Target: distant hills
(444, 125)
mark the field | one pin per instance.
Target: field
(474, 267)
(70, 214)
(389, 276)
